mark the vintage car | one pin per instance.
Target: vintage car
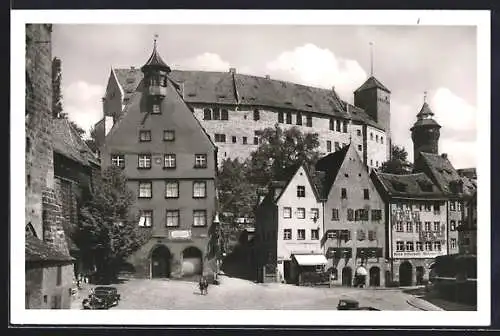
(348, 304)
(102, 297)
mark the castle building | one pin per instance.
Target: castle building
(233, 107)
(170, 163)
(425, 133)
(354, 231)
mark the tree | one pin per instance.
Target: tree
(108, 231)
(78, 129)
(92, 143)
(398, 163)
(279, 150)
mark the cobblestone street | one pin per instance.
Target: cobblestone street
(235, 293)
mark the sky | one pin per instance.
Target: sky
(409, 60)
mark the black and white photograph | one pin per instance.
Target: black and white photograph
(276, 169)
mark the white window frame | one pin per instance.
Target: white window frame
(287, 234)
(400, 246)
(144, 187)
(144, 161)
(436, 226)
(419, 246)
(172, 189)
(314, 234)
(399, 226)
(200, 160)
(170, 161)
(409, 246)
(409, 225)
(172, 218)
(199, 214)
(301, 213)
(146, 221)
(287, 210)
(168, 135)
(453, 243)
(199, 189)
(428, 246)
(299, 236)
(118, 160)
(427, 226)
(437, 246)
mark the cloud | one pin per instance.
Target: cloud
(204, 62)
(82, 103)
(311, 65)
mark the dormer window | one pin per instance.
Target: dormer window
(155, 108)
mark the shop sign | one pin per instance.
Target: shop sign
(180, 234)
(418, 254)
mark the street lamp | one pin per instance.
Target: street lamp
(216, 222)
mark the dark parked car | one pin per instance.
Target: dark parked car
(347, 304)
(102, 297)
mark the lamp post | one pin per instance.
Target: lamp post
(218, 231)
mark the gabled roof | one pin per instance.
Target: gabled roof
(37, 250)
(330, 165)
(372, 83)
(411, 185)
(359, 115)
(67, 142)
(445, 175)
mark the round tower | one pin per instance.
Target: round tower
(425, 133)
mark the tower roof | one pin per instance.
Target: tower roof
(424, 117)
(372, 83)
(155, 61)
(425, 111)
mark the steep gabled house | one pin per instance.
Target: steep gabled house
(289, 226)
(170, 162)
(353, 239)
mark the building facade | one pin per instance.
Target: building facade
(416, 217)
(467, 233)
(353, 239)
(289, 223)
(170, 163)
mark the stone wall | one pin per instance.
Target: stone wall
(44, 291)
(53, 219)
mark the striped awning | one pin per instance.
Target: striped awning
(310, 259)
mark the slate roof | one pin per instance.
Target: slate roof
(425, 122)
(359, 115)
(412, 183)
(67, 142)
(209, 87)
(330, 165)
(37, 250)
(371, 83)
(155, 61)
(445, 175)
(425, 111)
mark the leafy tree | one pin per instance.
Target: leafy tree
(108, 231)
(92, 143)
(398, 163)
(280, 149)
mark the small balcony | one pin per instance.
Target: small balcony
(157, 90)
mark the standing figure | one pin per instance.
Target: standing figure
(203, 284)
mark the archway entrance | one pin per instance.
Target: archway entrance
(405, 274)
(347, 276)
(160, 262)
(374, 276)
(192, 261)
(420, 275)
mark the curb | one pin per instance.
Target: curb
(423, 305)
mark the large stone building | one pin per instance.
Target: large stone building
(354, 230)
(49, 267)
(170, 163)
(233, 107)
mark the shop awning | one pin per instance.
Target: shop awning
(361, 271)
(310, 259)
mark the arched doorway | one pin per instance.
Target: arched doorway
(374, 276)
(192, 261)
(405, 274)
(347, 276)
(160, 262)
(420, 275)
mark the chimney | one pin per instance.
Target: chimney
(444, 156)
(268, 77)
(232, 70)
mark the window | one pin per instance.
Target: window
(207, 114)
(156, 109)
(418, 246)
(332, 124)
(453, 225)
(298, 118)
(337, 145)
(146, 218)
(436, 208)
(224, 115)
(358, 132)
(361, 214)
(459, 206)
(371, 162)
(200, 160)
(376, 163)
(418, 227)
(171, 189)
(328, 146)
(280, 117)
(366, 194)
(400, 246)
(216, 115)
(169, 161)
(399, 226)
(234, 139)
(145, 190)
(337, 126)
(360, 148)
(453, 243)
(409, 246)
(350, 214)
(288, 118)
(437, 246)
(314, 234)
(199, 189)
(144, 136)
(301, 213)
(199, 217)
(344, 127)
(287, 234)
(172, 218)
(59, 276)
(436, 227)
(335, 214)
(301, 234)
(255, 140)
(376, 215)
(459, 224)
(409, 227)
(287, 212)
(220, 137)
(428, 246)
(331, 235)
(168, 135)
(427, 226)
(343, 193)
(256, 115)
(452, 206)
(301, 191)
(427, 207)
(144, 161)
(371, 136)
(314, 213)
(309, 121)
(245, 140)
(118, 160)
(372, 235)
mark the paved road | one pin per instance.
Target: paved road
(235, 293)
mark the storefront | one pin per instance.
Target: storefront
(308, 268)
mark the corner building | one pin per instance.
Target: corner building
(170, 163)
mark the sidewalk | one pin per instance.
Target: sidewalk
(422, 304)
